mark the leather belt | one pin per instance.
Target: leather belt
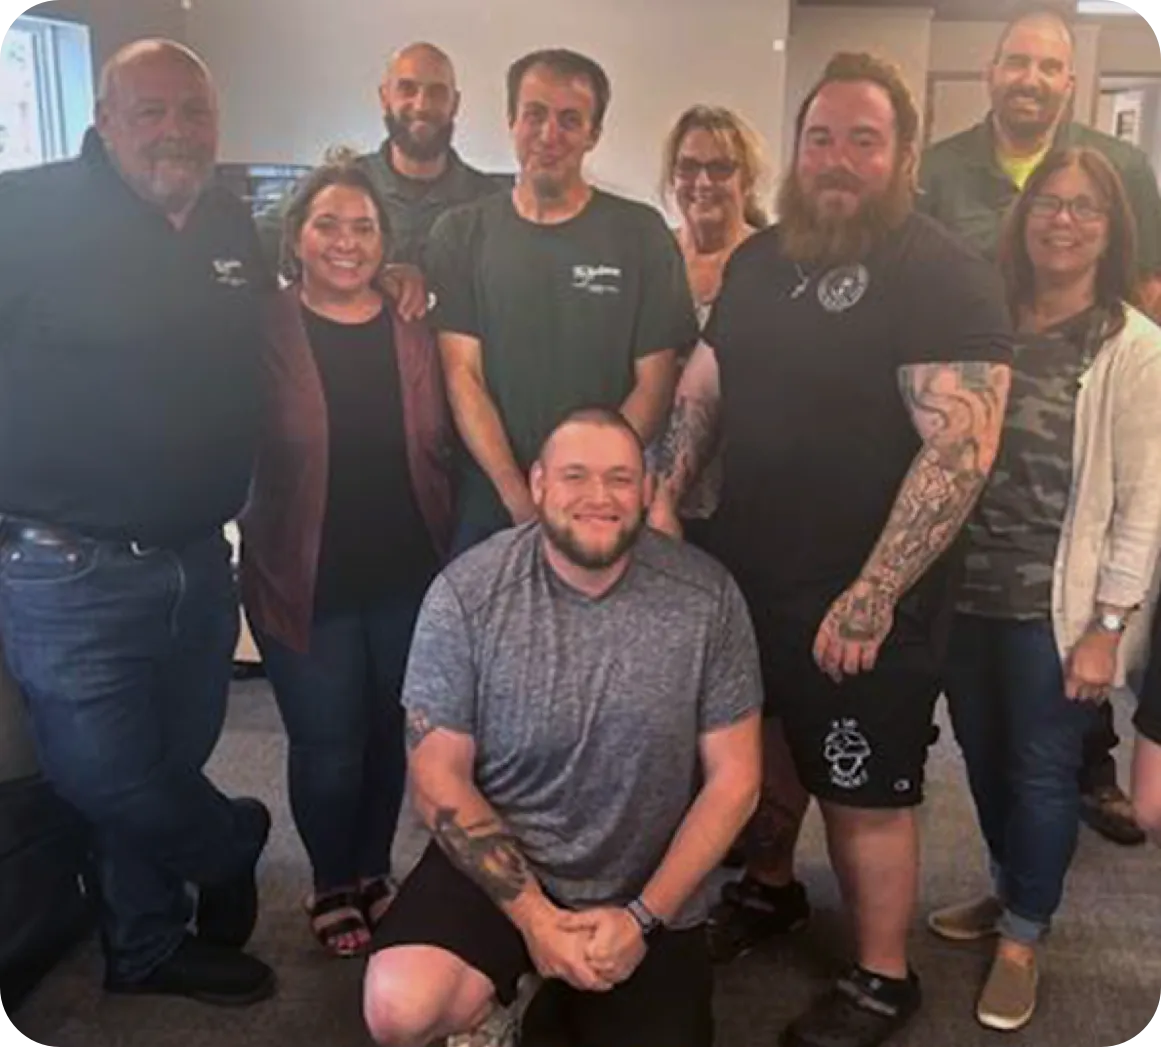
(36, 533)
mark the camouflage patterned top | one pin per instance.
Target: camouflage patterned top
(1013, 534)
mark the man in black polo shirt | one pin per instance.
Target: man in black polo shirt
(129, 404)
(416, 171)
(857, 360)
(969, 181)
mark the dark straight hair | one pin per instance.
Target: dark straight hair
(567, 65)
(1116, 270)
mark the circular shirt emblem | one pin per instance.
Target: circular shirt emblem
(844, 287)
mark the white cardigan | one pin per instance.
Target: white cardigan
(1111, 536)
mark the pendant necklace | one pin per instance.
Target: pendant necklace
(799, 289)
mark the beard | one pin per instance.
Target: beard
(1028, 128)
(565, 541)
(547, 187)
(399, 131)
(812, 237)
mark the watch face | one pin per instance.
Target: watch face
(1112, 623)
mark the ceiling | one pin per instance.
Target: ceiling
(958, 10)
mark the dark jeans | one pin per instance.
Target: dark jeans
(1022, 741)
(124, 660)
(340, 704)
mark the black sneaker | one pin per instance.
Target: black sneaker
(750, 913)
(202, 971)
(862, 1010)
(227, 912)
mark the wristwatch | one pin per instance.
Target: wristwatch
(649, 923)
(1109, 622)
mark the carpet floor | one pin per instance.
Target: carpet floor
(1101, 968)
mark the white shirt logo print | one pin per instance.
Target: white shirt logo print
(597, 279)
(843, 288)
(228, 272)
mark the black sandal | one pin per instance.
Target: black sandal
(375, 898)
(351, 922)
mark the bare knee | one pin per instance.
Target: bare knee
(415, 994)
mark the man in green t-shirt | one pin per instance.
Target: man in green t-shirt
(969, 181)
(554, 296)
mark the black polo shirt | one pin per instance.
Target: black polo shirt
(129, 395)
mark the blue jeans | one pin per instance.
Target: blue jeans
(1022, 741)
(340, 704)
(124, 658)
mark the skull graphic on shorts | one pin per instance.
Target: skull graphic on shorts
(847, 752)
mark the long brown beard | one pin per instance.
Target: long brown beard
(809, 238)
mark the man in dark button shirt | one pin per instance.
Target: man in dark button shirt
(416, 172)
(968, 182)
(129, 321)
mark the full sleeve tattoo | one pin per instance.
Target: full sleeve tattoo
(692, 432)
(958, 410)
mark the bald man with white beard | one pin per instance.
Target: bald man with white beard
(130, 293)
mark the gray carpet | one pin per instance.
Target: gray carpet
(1102, 967)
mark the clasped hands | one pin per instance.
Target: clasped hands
(591, 950)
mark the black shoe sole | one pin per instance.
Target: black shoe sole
(256, 995)
(795, 928)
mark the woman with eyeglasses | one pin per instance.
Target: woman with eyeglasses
(1060, 555)
(713, 172)
(348, 522)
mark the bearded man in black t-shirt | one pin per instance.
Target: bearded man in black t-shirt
(857, 364)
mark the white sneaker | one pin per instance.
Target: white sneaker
(502, 1026)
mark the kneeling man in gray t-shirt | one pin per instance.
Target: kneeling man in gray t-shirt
(582, 707)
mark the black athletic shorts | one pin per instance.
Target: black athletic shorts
(666, 1003)
(862, 742)
(1148, 717)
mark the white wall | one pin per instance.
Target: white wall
(966, 48)
(816, 33)
(1129, 46)
(114, 23)
(298, 75)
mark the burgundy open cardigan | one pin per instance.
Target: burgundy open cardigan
(283, 521)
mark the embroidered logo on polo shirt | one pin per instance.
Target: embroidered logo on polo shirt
(228, 272)
(597, 279)
(843, 288)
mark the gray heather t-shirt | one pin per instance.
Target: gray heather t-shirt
(586, 713)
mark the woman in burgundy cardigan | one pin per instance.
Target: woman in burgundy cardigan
(348, 523)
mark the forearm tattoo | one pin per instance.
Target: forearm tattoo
(687, 443)
(416, 728)
(486, 852)
(959, 411)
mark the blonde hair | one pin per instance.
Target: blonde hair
(738, 138)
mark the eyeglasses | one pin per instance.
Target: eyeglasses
(687, 169)
(1082, 208)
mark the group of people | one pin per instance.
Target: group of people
(618, 543)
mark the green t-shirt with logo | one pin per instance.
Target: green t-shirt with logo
(562, 312)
